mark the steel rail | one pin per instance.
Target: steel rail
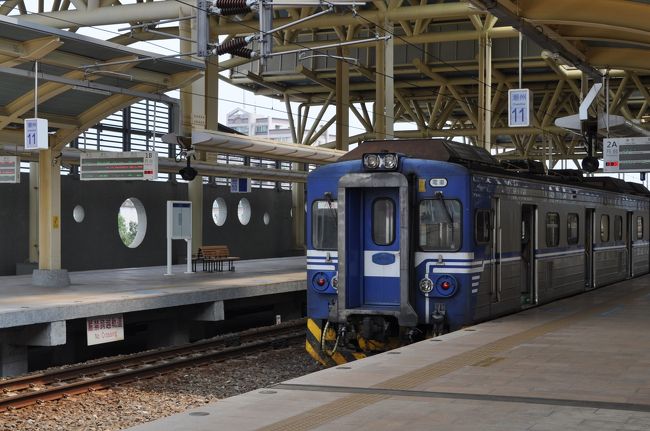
(113, 371)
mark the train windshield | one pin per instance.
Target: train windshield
(440, 224)
(324, 225)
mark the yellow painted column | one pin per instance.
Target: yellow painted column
(298, 214)
(33, 212)
(484, 116)
(49, 217)
(385, 90)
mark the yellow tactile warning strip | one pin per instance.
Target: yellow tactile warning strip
(347, 405)
(487, 361)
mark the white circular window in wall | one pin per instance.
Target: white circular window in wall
(219, 211)
(266, 218)
(78, 213)
(132, 222)
(244, 211)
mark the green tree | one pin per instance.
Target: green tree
(127, 233)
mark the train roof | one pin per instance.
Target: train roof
(479, 159)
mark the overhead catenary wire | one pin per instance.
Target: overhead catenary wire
(378, 73)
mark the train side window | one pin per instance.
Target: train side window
(604, 228)
(440, 225)
(552, 229)
(324, 225)
(482, 223)
(618, 228)
(383, 221)
(572, 228)
(639, 227)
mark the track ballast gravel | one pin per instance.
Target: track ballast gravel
(126, 406)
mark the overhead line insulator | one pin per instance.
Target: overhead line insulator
(244, 52)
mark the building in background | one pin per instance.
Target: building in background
(274, 128)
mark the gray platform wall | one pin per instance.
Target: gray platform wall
(14, 225)
(95, 243)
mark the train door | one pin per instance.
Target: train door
(496, 251)
(528, 229)
(589, 248)
(381, 248)
(628, 243)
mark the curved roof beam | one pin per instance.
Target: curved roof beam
(619, 58)
(616, 13)
(613, 35)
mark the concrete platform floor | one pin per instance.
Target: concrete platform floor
(101, 292)
(582, 363)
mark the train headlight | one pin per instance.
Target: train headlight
(381, 161)
(390, 161)
(335, 282)
(426, 285)
(371, 161)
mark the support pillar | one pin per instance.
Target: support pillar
(385, 90)
(49, 272)
(342, 102)
(484, 116)
(298, 211)
(389, 87)
(33, 212)
(193, 107)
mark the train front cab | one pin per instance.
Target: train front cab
(401, 271)
(370, 300)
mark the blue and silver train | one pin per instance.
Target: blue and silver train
(411, 239)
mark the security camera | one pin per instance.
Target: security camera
(188, 173)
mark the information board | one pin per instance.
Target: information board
(129, 165)
(519, 107)
(626, 154)
(9, 169)
(179, 219)
(104, 329)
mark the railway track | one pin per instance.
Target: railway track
(52, 385)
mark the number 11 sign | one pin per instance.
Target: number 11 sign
(36, 134)
(519, 107)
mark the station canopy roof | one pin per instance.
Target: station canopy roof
(81, 80)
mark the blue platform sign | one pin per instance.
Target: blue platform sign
(519, 107)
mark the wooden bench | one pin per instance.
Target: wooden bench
(213, 257)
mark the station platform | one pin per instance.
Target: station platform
(582, 363)
(38, 316)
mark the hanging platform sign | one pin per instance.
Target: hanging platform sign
(36, 134)
(9, 169)
(129, 165)
(519, 107)
(626, 154)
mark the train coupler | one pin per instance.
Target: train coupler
(439, 320)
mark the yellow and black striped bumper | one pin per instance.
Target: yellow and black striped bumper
(328, 358)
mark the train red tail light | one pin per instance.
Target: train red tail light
(445, 285)
(320, 281)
